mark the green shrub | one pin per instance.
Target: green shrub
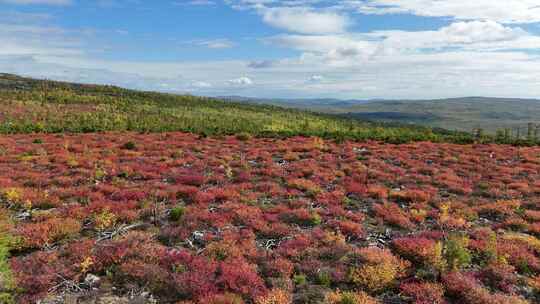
(348, 298)
(299, 279)
(324, 279)
(456, 252)
(7, 284)
(129, 146)
(316, 219)
(177, 213)
(6, 298)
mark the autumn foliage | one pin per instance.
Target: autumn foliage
(232, 220)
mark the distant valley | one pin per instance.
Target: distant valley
(463, 114)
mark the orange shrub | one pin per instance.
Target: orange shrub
(392, 214)
(532, 215)
(304, 185)
(275, 296)
(378, 192)
(36, 235)
(421, 251)
(410, 196)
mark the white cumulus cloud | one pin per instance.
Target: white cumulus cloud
(316, 78)
(471, 35)
(504, 11)
(305, 20)
(242, 81)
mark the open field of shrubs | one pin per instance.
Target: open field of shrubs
(181, 218)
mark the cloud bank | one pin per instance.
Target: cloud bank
(485, 48)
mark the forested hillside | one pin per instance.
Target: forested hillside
(30, 105)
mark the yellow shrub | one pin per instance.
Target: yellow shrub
(374, 277)
(105, 220)
(72, 162)
(86, 264)
(418, 215)
(436, 259)
(318, 143)
(338, 297)
(275, 296)
(452, 216)
(378, 269)
(12, 195)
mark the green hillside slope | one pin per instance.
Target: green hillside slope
(29, 105)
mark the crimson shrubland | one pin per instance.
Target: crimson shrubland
(266, 221)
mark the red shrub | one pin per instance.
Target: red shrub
(334, 198)
(277, 267)
(519, 255)
(355, 188)
(392, 214)
(470, 291)
(194, 276)
(240, 277)
(294, 248)
(423, 293)
(35, 274)
(224, 219)
(410, 196)
(192, 179)
(420, 250)
(227, 298)
(500, 276)
(349, 228)
(535, 228)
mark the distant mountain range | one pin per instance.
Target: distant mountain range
(462, 114)
(300, 102)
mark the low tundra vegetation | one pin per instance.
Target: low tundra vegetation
(237, 219)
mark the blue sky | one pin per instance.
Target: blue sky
(290, 48)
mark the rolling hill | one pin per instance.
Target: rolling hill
(31, 105)
(463, 114)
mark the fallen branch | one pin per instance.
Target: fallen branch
(121, 230)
